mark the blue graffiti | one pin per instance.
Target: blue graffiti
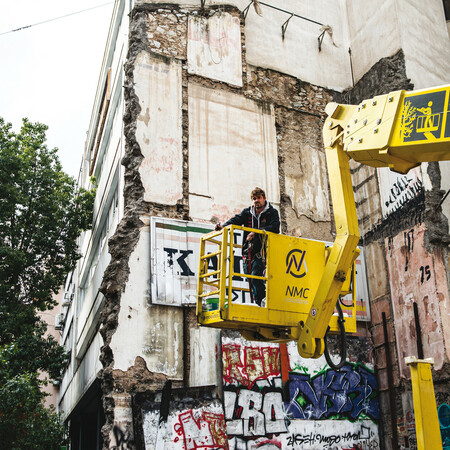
(346, 393)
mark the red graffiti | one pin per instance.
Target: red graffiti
(233, 368)
(259, 364)
(206, 432)
(269, 442)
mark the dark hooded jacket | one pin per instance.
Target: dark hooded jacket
(268, 220)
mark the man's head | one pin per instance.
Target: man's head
(258, 197)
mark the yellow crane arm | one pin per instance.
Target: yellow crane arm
(398, 130)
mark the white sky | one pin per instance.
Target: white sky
(49, 72)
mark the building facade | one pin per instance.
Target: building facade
(198, 102)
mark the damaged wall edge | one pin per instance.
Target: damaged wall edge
(298, 109)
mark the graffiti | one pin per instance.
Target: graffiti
(253, 391)
(364, 439)
(424, 271)
(408, 237)
(236, 443)
(347, 393)
(255, 413)
(259, 363)
(122, 439)
(444, 424)
(208, 431)
(403, 190)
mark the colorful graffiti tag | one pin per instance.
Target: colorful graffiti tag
(259, 363)
(208, 431)
(335, 410)
(349, 393)
(260, 413)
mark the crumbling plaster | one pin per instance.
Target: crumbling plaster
(271, 51)
(158, 88)
(127, 316)
(298, 113)
(380, 29)
(413, 274)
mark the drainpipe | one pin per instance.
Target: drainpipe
(390, 377)
(418, 332)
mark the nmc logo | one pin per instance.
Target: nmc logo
(296, 264)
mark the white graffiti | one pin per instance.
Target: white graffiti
(259, 413)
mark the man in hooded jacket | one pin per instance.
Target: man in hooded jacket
(263, 216)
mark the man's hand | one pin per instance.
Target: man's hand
(218, 227)
(250, 236)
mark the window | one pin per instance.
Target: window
(447, 9)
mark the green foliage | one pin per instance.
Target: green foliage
(25, 423)
(42, 213)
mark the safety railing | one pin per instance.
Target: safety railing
(220, 272)
(293, 267)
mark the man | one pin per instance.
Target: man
(263, 216)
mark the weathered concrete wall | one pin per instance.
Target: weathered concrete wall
(214, 48)
(373, 34)
(225, 158)
(267, 132)
(212, 110)
(154, 333)
(425, 42)
(267, 48)
(413, 274)
(382, 28)
(158, 88)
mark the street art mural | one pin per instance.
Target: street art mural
(305, 408)
(271, 400)
(346, 393)
(444, 425)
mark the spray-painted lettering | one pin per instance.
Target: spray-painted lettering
(251, 413)
(403, 190)
(259, 363)
(347, 393)
(425, 274)
(208, 431)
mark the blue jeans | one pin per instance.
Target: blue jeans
(258, 286)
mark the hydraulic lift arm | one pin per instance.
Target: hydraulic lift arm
(398, 130)
(303, 278)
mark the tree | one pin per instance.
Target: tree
(42, 213)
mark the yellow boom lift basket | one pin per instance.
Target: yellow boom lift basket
(294, 267)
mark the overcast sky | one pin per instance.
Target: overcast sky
(49, 72)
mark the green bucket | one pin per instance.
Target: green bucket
(212, 304)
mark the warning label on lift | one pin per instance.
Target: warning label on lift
(447, 123)
(424, 117)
